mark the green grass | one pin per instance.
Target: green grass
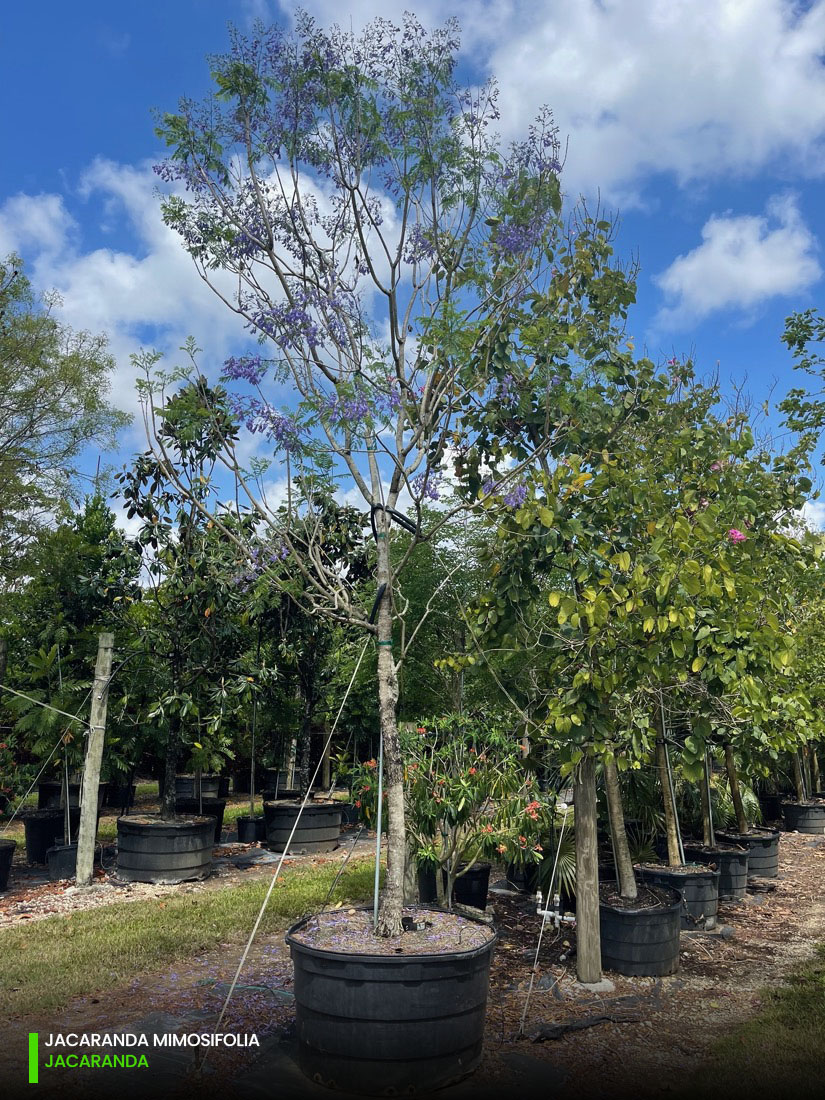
(44, 965)
(781, 1050)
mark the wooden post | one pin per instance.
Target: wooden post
(94, 757)
(588, 935)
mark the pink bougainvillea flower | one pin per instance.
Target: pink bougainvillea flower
(735, 535)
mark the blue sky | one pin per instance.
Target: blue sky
(701, 124)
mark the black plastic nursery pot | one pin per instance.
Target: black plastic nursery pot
(51, 795)
(643, 941)
(804, 817)
(389, 1024)
(763, 850)
(186, 786)
(150, 849)
(62, 861)
(43, 827)
(732, 864)
(318, 830)
(349, 813)
(7, 848)
(699, 890)
(470, 888)
(209, 807)
(251, 829)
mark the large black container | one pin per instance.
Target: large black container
(319, 827)
(150, 849)
(43, 827)
(699, 890)
(389, 1024)
(209, 807)
(471, 887)
(804, 817)
(6, 856)
(763, 850)
(642, 942)
(251, 829)
(732, 864)
(186, 786)
(51, 795)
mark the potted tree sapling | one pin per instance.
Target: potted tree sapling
(469, 800)
(189, 633)
(387, 329)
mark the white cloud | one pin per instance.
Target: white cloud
(150, 295)
(813, 514)
(742, 261)
(697, 89)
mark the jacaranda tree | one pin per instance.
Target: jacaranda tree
(349, 201)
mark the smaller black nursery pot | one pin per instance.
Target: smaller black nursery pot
(641, 938)
(763, 850)
(43, 827)
(804, 817)
(251, 830)
(732, 863)
(7, 848)
(186, 786)
(698, 885)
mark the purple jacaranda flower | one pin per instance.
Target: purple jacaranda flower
(426, 486)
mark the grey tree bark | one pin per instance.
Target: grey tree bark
(588, 934)
(624, 864)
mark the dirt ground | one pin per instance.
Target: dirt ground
(612, 1043)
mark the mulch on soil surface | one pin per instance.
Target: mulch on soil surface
(645, 1036)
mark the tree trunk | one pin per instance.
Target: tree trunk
(707, 813)
(167, 802)
(411, 874)
(674, 856)
(305, 745)
(814, 769)
(806, 770)
(4, 657)
(392, 900)
(624, 864)
(733, 783)
(798, 780)
(588, 935)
